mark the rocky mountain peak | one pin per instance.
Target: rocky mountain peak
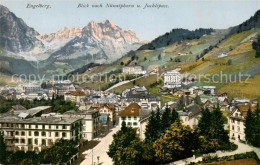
(15, 35)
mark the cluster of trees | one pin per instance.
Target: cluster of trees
(256, 46)
(59, 153)
(205, 51)
(57, 104)
(211, 132)
(168, 140)
(252, 125)
(176, 35)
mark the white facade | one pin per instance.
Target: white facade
(133, 70)
(30, 135)
(172, 79)
(236, 125)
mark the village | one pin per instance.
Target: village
(97, 113)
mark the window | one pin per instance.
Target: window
(64, 127)
(16, 140)
(49, 142)
(135, 118)
(123, 118)
(23, 133)
(233, 127)
(30, 141)
(43, 142)
(129, 123)
(43, 133)
(36, 126)
(36, 141)
(233, 121)
(30, 126)
(16, 133)
(22, 125)
(238, 129)
(56, 134)
(135, 123)
(30, 133)
(238, 122)
(22, 141)
(36, 133)
(129, 117)
(57, 127)
(236, 114)
(43, 126)
(63, 134)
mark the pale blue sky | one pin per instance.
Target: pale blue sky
(147, 24)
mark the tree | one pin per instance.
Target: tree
(229, 62)
(256, 129)
(217, 127)
(205, 122)
(151, 129)
(159, 57)
(256, 46)
(249, 126)
(181, 103)
(197, 100)
(174, 116)
(166, 118)
(2, 149)
(145, 59)
(176, 143)
(126, 147)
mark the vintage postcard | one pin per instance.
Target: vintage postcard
(129, 82)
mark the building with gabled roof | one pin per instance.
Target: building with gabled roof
(236, 120)
(135, 117)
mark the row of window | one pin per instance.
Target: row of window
(233, 121)
(238, 128)
(129, 118)
(10, 125)
(130, 123)
(36, 133)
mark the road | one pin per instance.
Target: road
(127, 81)
(242, 148)
(100, 150)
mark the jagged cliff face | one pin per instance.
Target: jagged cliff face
(15, 35)
(106, 39)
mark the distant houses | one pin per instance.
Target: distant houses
(222, 54)
(133, 70)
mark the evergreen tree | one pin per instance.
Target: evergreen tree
(174, 116)
(197, 100)
(249, 125)
(2, 149)
(166, 118)
(181, 103)
(158, 125)
(150, 130)
(217, 127)
(256, 128)
(205, 122)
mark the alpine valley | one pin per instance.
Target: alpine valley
(24, 50)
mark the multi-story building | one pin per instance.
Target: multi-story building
(74, 96)
(90, 122)
(140, 96)
(236, 120)
(31, 88)
(172, 79)
(25, 131)
(109, 110)
(133, 70)
(134, 116)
